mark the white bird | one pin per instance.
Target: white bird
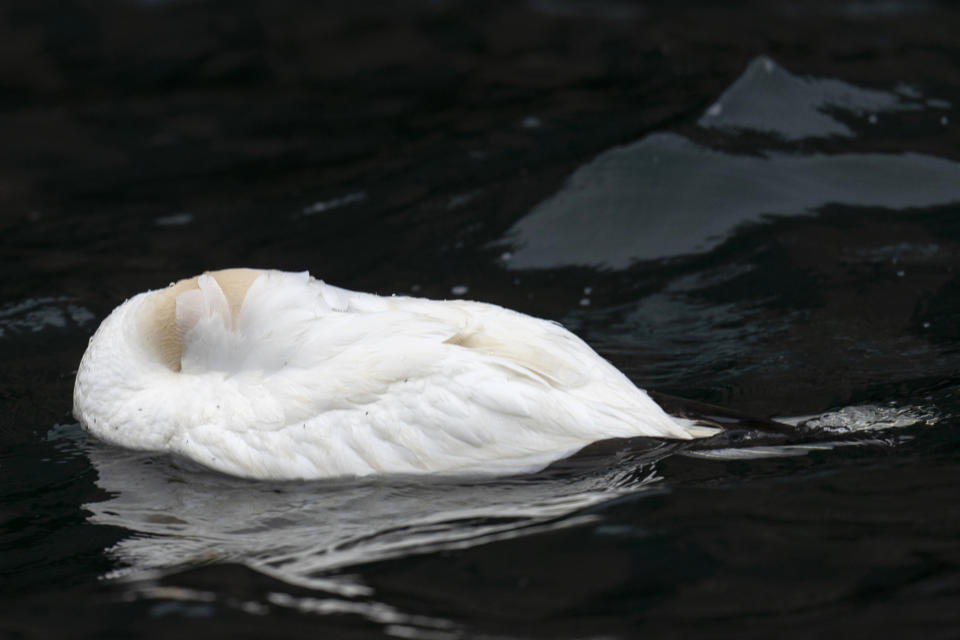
(276, 375)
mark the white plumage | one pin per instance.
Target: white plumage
(268, 374)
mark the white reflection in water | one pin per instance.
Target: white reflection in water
(323, 206)
(311, 534)
(300, 532)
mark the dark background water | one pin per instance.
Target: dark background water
(753, 205)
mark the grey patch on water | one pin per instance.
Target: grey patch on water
(175, 220)
(323, 206)
(900, 251)
(37, 314)
(757, 453)
(783, 451)
(461, 199)
(68, 439)
(531, 122)
(71, 432)
(769, 99)
(667, 196)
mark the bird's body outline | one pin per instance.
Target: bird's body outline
(277, 375)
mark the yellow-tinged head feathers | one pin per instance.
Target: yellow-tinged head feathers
(161, 313)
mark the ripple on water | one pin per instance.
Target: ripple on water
(300, 532)
(38, 314)
(315, 534)
(666, 195)
(768, 98)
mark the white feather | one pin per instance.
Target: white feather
(284, 376)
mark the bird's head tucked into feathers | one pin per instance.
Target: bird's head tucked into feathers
(215, 296)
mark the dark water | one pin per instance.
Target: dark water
(755, 206)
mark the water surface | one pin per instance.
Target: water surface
(752, 206)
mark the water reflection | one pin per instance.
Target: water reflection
(38, 314)
(666, 195)
(300, 532)
(322, 536)
(770, 99)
